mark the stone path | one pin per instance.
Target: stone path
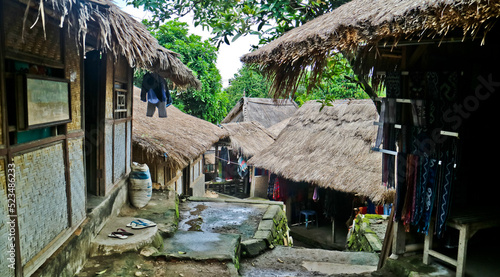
(225, 229)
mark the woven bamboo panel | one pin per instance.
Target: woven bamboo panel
(121, 69)
(109, 86)
(73, 74)
(34, 40)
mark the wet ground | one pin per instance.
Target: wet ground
(215, 217)
(204, 217)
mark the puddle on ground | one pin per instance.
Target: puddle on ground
(194, 224)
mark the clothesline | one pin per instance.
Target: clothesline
(227, 160)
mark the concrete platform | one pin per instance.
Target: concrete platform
(202, 246)
(103, 245)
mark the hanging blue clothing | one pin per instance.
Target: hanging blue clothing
(155, 91)
(154, 87)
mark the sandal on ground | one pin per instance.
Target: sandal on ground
(141, 224)
(123, 232)
(117, 235)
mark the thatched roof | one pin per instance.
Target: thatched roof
(248, 137)
(278, 127)
(366, 23)
(180, 136)
(120, 34)
(329, 148)
(266, 111)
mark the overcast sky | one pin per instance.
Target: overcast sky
(228, 61)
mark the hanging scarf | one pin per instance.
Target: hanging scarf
(444, 200)
(430, 194)
(420, 189)
(412, 162)
(401, 186)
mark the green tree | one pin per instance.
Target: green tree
(338, 81)
(210, 102)
(229, 19)
(248, 81)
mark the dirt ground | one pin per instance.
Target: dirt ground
(281, 261)
(295, 261)
(133, 264)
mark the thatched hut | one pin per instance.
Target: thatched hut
(438, 63)
(173, 147)
(329, 148)
(266, 111)
(246, 139)
(322, 159)
(66, 71)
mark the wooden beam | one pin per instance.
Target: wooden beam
(389, 231)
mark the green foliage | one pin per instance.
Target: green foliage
(210, 102)
(248, 81)
(229, 19)
(337, 82)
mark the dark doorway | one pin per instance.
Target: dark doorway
(94, 76)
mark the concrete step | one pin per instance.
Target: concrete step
(202, 246)
(103, 245)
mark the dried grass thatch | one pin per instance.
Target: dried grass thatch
(266, 111)
(120, 34)
(329, 148)
(278, 127)
(364, 24)
(249, 138)
(180, 136)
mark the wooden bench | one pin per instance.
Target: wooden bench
(467, 223)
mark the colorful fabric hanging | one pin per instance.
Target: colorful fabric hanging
(411, 168)
(315, 194)
(401, 186)
(444, 200)
(430, 195)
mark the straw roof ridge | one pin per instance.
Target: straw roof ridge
(180, 136)
(278, 127)
(365, 23)
(249, 138)
(266, 111)
(329, 147)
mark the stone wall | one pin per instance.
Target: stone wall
(273, 230)
(367, 233)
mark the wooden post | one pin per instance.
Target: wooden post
(428, 242)
(398, 241)
(462, 249)
(389, 231)
(216, 161)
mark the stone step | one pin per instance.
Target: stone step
(200, 246)
(103, 245)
